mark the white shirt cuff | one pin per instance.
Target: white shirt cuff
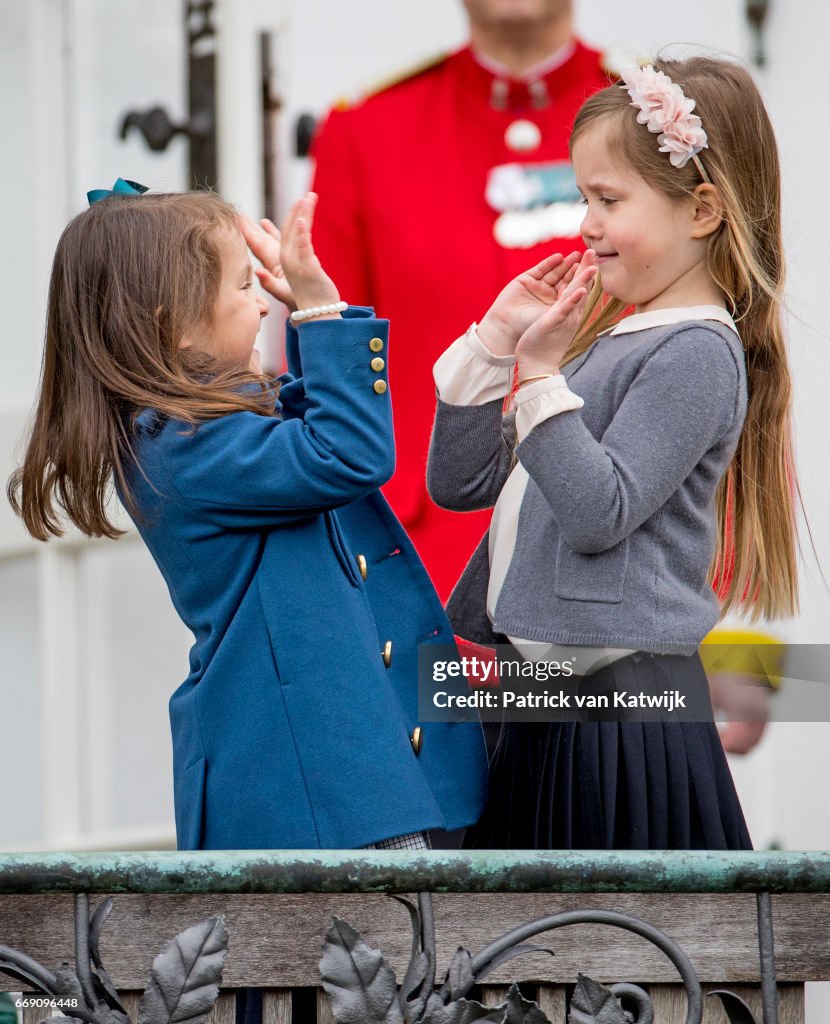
(467, 373)
(540, 400)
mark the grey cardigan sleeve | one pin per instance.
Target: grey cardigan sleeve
(470, 455)
(687, 397)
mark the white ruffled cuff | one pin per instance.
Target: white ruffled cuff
(467, 373)
(540, 400)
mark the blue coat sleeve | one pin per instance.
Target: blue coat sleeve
(293, 360)
(245, 470)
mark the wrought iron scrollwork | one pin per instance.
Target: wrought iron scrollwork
(188, 972)
(362, 985)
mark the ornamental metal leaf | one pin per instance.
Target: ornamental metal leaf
(519, 1010)
(184, 980)
(359, 982)
(460, 974)
(515, 1010)
(415, 992)
(734, 1007)
(593, 1003)
(434, 1003)
(466, 1011)
(416, 974)
(67, 984)
(96, 924)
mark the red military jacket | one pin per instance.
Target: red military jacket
(405, 223)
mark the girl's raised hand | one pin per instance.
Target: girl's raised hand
(524, 300)
(310, 285)
(542, 345)
(264, 241)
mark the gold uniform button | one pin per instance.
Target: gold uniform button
(377, 364)
(376, 344)
(379, 387)
(386, 653)
(417, 739)
(362, 566)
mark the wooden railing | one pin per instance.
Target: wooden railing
(727, 914)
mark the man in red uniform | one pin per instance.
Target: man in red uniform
(437, 190)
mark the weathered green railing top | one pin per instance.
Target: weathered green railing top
(295, 871)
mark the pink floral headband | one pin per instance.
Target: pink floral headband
(665, 110)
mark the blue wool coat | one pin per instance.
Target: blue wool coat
(291, 730)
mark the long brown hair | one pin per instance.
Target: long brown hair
(755, 563)
(131, 276)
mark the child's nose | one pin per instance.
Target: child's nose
(590, 228)
(264, 308)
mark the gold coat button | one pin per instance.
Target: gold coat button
(376, 344)
(417, 739)
(386, 653)
(362, 566)
(379, 387)
(377, 364)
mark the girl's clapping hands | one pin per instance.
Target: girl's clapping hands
(525, 299)
(544, 343)
(290, 270)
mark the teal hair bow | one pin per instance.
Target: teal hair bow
(122, 187)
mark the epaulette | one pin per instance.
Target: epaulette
(411, 71)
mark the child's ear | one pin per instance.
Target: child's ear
(708, 213)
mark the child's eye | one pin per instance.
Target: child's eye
(607, 200)
(583, 201)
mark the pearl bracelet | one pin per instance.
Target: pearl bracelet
(306, 314)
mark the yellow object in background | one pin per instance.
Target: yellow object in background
(745, 651)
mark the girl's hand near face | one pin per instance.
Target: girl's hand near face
(544, 342)
(310, 284)
(290, 271)
(265, 242)
(524, 300)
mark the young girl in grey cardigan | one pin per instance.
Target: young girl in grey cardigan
(646, 456)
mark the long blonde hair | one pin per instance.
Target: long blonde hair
(131, 276)
(755, 561)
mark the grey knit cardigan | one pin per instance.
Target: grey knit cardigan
(617, 524)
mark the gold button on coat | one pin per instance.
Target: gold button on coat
(376, 345)
(417, 739)
(377, 364)
(379, 387)
(362, 566)
(387, 653)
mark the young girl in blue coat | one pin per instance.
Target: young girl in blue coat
(297, 725)
(650, 455)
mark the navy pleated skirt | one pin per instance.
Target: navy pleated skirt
(616, 785)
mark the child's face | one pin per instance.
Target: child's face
(229, 335)
(647, 253)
